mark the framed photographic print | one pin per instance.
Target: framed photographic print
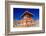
(24, 18)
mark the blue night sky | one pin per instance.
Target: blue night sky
(17, 12)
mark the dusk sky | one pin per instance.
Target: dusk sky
(17, 12)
